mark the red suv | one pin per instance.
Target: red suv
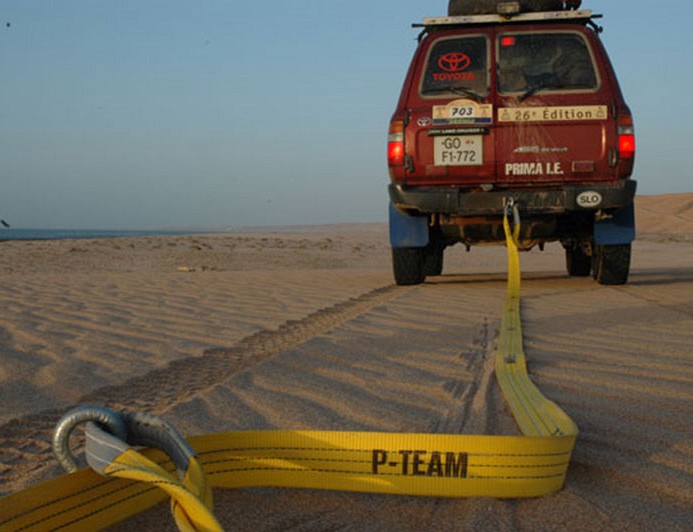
(512, 106)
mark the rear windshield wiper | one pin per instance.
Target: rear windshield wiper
(456, 89)
(551, 85)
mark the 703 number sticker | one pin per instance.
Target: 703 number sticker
(463, 111)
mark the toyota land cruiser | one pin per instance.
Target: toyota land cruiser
(513, 104)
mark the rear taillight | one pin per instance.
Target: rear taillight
(395, 143)
(626, 137)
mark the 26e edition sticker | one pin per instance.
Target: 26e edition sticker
(552, 114)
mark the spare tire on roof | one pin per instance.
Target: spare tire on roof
(484, 7)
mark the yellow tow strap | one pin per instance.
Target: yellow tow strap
(408, 464)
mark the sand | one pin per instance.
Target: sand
(303, 329)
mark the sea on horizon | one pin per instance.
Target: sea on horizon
(61, 234)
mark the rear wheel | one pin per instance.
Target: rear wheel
(408, 265)
(611, 264)
(577, 262)
(433, 260)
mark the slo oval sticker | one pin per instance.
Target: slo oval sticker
(589, 199)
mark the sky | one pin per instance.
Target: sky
(142, 114)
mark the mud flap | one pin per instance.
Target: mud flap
(407, 231)
(620, 229)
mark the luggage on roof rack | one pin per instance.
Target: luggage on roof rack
(487, 7)
(584, 15)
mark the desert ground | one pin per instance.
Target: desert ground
(302, 328)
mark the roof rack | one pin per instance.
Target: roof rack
(541, 16)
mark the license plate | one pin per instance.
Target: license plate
(458, 150)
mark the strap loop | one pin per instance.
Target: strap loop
(100, 415)
(109, 432)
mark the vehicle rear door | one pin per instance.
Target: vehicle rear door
(555, 122)
(449, 136)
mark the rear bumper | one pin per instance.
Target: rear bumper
(450, 200)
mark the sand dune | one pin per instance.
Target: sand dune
(668, 216)
(305, 331)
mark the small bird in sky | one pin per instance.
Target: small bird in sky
(4, 223)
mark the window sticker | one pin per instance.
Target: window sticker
(552, 114)
(463, 111)
(453, 66)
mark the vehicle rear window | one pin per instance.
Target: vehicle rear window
(456, 65)
(546, 62)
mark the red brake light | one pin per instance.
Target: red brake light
(507, 41)
(626, 146)
(395, 153)
(626, 137)
(395, 144)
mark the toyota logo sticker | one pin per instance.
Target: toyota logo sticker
(454, 62)
(453, 67)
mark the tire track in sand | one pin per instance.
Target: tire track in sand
(25, 449)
